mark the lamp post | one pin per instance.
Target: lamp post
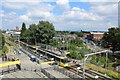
(96, 77)
(84, 60)
(35, 45)
(18, 41)
(27, 42)
(84, 68)
(78, 68)
(67, 45)
(63, 42)
(106, 61)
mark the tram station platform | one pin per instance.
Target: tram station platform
(57, 74)
(48, 62)
(25, 74)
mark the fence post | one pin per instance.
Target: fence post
(8, 70)
(14, 69)
(2, 72)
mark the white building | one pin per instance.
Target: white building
(14, 33)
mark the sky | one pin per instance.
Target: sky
(66, 15)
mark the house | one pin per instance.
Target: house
(15, 33)
(9, 33)
(86, 34)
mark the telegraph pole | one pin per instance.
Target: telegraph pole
(18, 41)
(106, 61)
(84, 68)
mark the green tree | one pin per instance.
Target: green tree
(73, 54)
(79, 56)
(112, 38)
(2, 40)
(23, 29)
(42, 32)
(45, 31)
(4, 50)
(27, 38)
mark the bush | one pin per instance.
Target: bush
(73, 53)
(4, 50)
(79, 56)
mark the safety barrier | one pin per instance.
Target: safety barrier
(9, 70)
(69, 74)
(44, 71)
(48, 74)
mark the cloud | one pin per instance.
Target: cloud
(71, 17)
(80, 14)
(94, 0)
(109, 10)
(61, 0)
(1, 11)
(14, 5)
(22, 1)
(42, 11)
(25, 18)
(63, 4)
(105, 8)
(22, 4)
(39, 9)
(10, 15)
(2, 15)
(33, 11)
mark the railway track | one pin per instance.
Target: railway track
(78, 72)
(90, 72)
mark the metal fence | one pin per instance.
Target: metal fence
(51, 77)
(8, 70)
(67, 73)
(44, 71)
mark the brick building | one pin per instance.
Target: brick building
(96, 35)
(93, 35)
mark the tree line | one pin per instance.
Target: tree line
(112, 39)
(42, 32)
(2, 40)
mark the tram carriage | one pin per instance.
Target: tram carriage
(62, 61)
